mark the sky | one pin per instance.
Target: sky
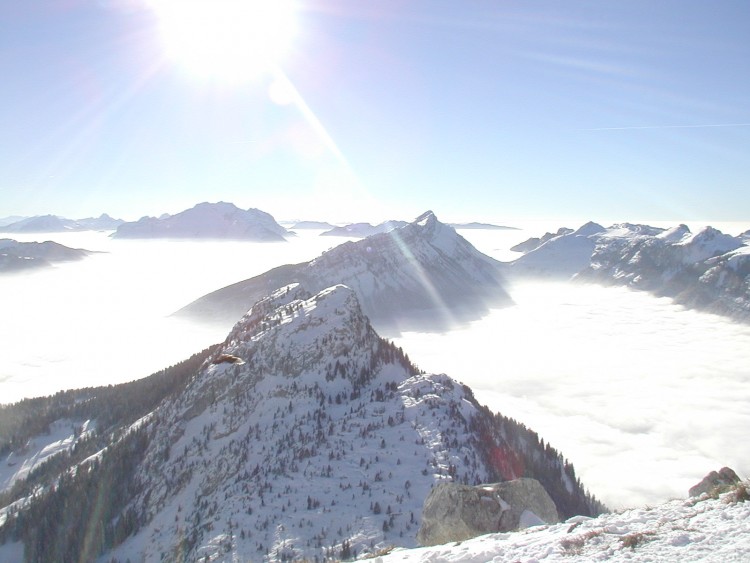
(342, 111)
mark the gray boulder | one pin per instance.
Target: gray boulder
(455, 512)
(715, 482)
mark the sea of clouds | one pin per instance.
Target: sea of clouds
(642, 396)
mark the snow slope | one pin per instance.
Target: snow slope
(62, 436)
(421, 275)
(308, 436)
(693, 530)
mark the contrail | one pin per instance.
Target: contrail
(635, 127)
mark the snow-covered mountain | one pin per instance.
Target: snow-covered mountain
(56, 224)
(707, 529)
(304, 436)
(208, 221)
(102, 223)
(41, 224)
(422, 274)
(362, 230)
(535, 242)
(708, 270)
(481, 226)
(10, 219)
(15, 256)
(313, 225)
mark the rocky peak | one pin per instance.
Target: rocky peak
(588, 229)
(715, 482)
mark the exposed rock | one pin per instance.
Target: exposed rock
(715, 482)
(455, 512)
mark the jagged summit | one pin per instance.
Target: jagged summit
(588, 229)
(421, 274)
(675, 234)
(425, 217)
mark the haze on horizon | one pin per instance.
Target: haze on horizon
(623, 110)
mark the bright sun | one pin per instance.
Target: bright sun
(226, 39)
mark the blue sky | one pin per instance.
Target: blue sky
(480, 110)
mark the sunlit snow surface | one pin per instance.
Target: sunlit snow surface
(643, 397)
(715, 531)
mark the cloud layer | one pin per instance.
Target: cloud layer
(642, 396)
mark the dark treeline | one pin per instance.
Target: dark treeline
(75, 520)
(110, 406)
(113, 408)
(71, 507)
(511, 450)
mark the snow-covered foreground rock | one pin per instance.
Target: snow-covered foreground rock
(692, 530)
(422, 275)
(707, 270)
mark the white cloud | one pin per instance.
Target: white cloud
(641, 395)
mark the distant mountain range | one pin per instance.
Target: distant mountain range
(56, 224)
(362, 230)
(422, 274)
(208, 221)
(313, 225)
(482, 226)
(707, 270)
(17, 256)
(304, 435)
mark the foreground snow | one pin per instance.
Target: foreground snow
(704, 529)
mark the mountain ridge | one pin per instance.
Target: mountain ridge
(420, 275)
(206, 220)
(304, 435)
(707, 270)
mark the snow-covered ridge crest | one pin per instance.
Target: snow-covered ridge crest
(708, 270)
(307, 435)
(423, 273)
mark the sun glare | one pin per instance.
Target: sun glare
(226, 39)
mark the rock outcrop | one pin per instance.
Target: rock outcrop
(716, 482)
(455, 512)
